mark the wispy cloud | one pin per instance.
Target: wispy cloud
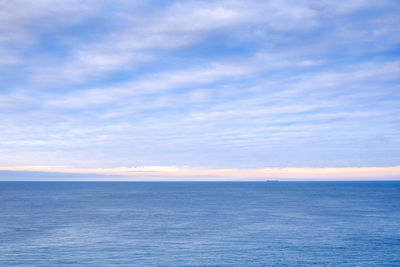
(212, 84)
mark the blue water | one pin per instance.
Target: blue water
(200, 224)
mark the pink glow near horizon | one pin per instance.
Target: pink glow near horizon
(171, 173)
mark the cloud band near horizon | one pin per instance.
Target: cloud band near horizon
(171, 173)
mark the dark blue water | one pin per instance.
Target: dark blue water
(200, 224)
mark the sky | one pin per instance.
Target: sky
(199, 90)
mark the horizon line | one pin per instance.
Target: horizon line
(191, 181)
(173, 173)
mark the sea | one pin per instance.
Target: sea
(199, 223)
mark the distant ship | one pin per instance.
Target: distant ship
(272, 181)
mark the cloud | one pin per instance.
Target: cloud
(127, 38)
(218, 84)
(6, 175)
(161, 173)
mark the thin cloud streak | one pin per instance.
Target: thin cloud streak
(172, 173)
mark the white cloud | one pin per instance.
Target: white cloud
(211, 81)
(161, 173)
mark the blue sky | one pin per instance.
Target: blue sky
(199, 84)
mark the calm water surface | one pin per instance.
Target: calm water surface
(200, 224)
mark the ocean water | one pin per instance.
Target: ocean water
(200, 224)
